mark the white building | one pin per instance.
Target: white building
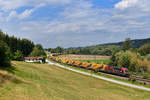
(33, 59)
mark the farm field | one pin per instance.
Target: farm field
(84, 57)
(96, 61)
(47, 82)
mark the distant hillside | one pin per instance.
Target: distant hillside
(135, 43)
(105, 49)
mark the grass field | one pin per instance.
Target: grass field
(45, 82)
(96, 61)
(84, 57)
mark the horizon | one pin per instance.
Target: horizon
(79, 23)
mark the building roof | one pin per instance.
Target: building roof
(33, 58)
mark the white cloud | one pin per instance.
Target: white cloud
(142, 5)
(11, 4)
(14, 4)
(126, 3)
(9, 7)
(11, 15)
(26, 13)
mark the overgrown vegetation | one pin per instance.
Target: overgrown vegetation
(136, 60)
(131, 60)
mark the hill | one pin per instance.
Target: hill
(104, 49)
(135, 43)
(48, 82)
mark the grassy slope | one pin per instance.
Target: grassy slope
(45, 82)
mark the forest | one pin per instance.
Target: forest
(13, 48)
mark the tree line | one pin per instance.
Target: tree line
(12, 48)
(23, 45)
(95, 50)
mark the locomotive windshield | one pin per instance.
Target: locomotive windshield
(126, 71)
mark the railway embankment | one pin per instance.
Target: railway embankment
(100, 77)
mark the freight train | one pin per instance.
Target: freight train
(95, 67)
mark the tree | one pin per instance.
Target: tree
(145, 49)
(127, 44)
(59, 49)
(113, 61)
(36, 52)
(18, 56)
(39, 46)
(4, 55)
(123, 59)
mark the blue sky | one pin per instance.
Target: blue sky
(73, 23)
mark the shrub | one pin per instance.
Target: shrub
(132, 61)
(123, 59)
(148, 57)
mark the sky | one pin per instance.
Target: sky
(74, 23)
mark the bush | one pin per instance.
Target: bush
(132, 61)
(124, 59)
(148, 57)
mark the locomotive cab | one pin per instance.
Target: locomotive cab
(125, 71)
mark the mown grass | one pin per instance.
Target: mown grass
(48, 82)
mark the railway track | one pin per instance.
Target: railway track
(140, 79)
(115, 76)
(137, 78)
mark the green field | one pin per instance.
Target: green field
(96, 61)
(45, 82)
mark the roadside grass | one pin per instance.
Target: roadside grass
(49, 82)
